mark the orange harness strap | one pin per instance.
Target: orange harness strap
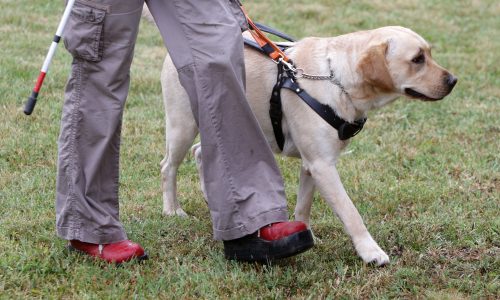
(264, 42)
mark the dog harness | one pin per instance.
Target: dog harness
(287, 78)
(345, 129)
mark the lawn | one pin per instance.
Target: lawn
(424, 176)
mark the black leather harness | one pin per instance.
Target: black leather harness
(287, 79)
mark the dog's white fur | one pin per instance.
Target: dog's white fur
(374, 66)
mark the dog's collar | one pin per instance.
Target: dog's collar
(287, 80)
(299, 73)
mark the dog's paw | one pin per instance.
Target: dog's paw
(371, 253)
(376, 257)
(175, 212)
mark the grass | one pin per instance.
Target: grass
(424, 176)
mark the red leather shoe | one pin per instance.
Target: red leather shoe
(274, 241)
(113, 253)
(281, 230)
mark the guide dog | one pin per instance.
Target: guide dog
(372, 68)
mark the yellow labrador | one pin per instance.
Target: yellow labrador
(375, 67)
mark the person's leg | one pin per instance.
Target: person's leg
(101, 36)
(243, 183)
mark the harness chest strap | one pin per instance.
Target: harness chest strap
(345, 129)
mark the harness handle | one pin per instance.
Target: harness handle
(268, 46)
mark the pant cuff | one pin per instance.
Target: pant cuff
(68, 233)
(252, 225)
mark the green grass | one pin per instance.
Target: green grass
(424, 176)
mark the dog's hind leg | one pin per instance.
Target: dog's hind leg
(196, 152)
(304, 197)
(327, 180)
(179, 139)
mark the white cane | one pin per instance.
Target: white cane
(30, 104)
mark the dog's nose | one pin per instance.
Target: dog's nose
(451, 80)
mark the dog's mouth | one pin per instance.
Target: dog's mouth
(414, 94)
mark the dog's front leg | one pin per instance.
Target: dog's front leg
(305, 196)
(328, 182)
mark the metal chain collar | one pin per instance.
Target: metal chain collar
(299, 73)
(332, 78)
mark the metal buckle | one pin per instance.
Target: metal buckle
(288, 66)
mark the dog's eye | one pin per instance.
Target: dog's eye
(420, 59)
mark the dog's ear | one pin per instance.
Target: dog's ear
(373, 67)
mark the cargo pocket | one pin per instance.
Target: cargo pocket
(235, 7)
(84, 31)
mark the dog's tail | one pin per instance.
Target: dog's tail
(147, 14)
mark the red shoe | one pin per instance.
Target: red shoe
(278, 240)
(113, 253)
(276, 231)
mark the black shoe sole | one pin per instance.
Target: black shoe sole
(136, 259)
(251, 248)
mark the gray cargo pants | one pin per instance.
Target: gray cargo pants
(244, 186)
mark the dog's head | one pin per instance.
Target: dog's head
(399, 61)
